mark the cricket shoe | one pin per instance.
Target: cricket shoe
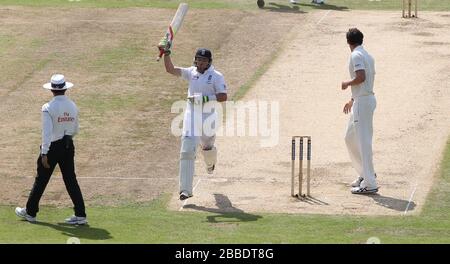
(184, 195)
(364, 190)
(357, 182)
(76, 220)
(210, 170)
(22, 212)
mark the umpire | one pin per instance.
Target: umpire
(59, 125)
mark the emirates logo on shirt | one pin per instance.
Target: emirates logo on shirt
(65, 118)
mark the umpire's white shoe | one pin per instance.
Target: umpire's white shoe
(22, 212)
(357, 182)
(293, 1)
(76, 220)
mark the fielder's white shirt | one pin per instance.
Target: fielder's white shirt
(361, 60)
(59, 118)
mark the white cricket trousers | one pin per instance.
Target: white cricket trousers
(358, 139)
(187, 159)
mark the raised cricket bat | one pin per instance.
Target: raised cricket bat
(175, 25)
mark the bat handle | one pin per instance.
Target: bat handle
(161, 52)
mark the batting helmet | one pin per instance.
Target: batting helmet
(203, 53)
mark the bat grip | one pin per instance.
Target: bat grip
(161, 52)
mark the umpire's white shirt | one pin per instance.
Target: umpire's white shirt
(361, 60)
(59, 118)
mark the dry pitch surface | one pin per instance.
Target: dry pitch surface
(411, 122)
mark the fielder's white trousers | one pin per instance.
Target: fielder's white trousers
(358, 139)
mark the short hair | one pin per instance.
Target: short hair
(354, 36)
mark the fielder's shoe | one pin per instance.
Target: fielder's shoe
(22, 212)
(357, 182)
(293, 1)
(76, 220)
(184, 195)
(210, 170)
(363, 190)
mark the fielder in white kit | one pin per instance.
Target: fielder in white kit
(206, 85)
(359, 133)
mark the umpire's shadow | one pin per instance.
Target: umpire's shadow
(81, 231)
(393, 203)
(225, 211)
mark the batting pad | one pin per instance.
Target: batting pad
(187, 159)
(210, 156)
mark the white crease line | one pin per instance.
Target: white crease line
(211, 179)
(193, 189)
(115, 178)
(410, 199)
(323, 17)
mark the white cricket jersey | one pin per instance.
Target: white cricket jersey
(211, 82)
(361, 60)
(59, 118)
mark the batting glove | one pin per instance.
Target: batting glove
(165, 45)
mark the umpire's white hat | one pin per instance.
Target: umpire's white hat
(57, 82)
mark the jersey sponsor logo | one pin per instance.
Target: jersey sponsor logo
(209, 79)
(65, 118)
(195, 77)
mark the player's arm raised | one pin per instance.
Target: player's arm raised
(169, 66)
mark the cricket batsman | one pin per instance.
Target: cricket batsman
(206, 87)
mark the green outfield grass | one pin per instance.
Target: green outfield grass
(153, 223)
(429, 5)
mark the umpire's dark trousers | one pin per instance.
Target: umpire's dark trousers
(61, 152)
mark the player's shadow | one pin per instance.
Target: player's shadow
(283, 8)
(393, 203)
(295, 8)
(225, 212)
(325, 6)
(82, 231)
